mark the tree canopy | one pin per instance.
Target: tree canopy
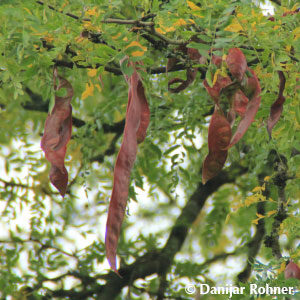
(201, 101)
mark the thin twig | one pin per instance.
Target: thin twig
(127, 22)
(106, 21)
(61, 12)
(45, 246)
(278, 2)
(14, 184)
(164, 38)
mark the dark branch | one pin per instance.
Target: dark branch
(280, 178)
(61, 12)
(138, 23)
(38, 104)
(254, 245)
(107, 21)
(159, 261)
(278, 2)
(111, 149)
(117, 71)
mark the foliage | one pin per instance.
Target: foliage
(177, 230)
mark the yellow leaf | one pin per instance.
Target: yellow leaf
(272, 212)
(88, 25)
(257, 189)
(98, 87)
(49, 38)
(180, 22)
(137, 53)
(159, 30)
(79, 39)
(267, 178)
(89, 91)
(260, 216)
(227, 219)
(250, 200)
(282, 268)
(65, 4)
(116, 36)
(216, 76)
(28, 10)
(255, 221)
(296, 32)
(92, 12)
(170, 29)
(193, 6)
(273, 59)
(92, 72)
(136, 44)
(234, 27)
(192, 21)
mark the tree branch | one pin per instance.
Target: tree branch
(278, 2)
(38, 104)
(109, 151)
(43, 246)
(280, 178)
(107, 21)
(159, 261)
(14, 184)
(254, 245)
(61, 12)
(164, 38)
(117, 71)
(127, 22)
(139, 23)
(220, 256)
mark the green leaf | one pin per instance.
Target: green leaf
(209, 77)
(202, 48)
(126, 69)
(171, 149)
